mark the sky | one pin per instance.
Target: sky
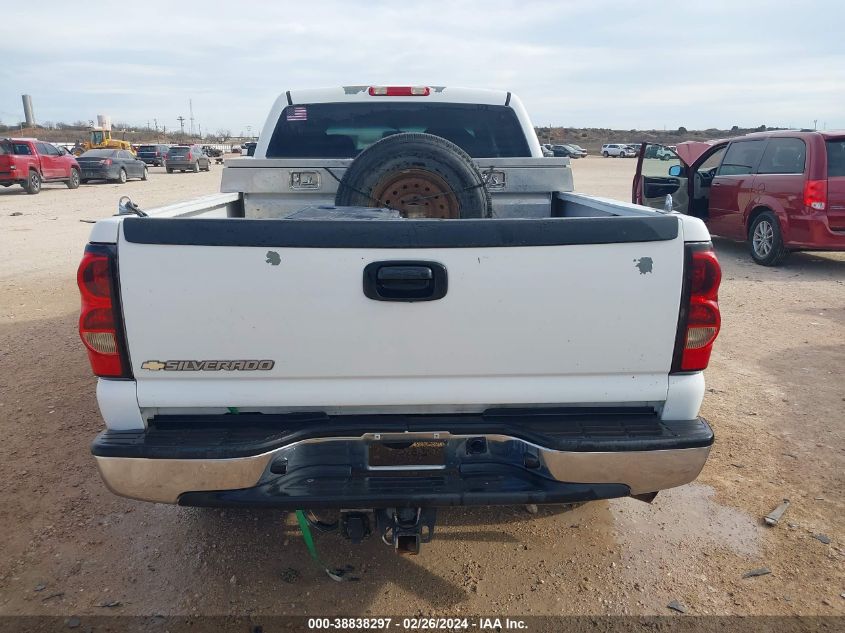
(620, 64)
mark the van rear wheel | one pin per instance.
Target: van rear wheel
(765, 240)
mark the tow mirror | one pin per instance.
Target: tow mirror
(675, 170)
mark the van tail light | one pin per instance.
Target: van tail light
(815, 194)
(700, 320)
(100, 327)
(399, 91)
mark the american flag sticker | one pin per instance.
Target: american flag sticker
(297, 113)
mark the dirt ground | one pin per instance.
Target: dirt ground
(775, 398)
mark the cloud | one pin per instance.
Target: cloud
(604, 63)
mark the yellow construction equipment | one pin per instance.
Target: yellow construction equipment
(100, 138)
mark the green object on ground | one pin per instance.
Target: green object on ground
(340, 575)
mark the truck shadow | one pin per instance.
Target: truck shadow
(269, 544)
(17, 190)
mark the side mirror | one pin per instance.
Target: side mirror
(675, 170)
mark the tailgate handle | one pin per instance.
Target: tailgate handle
(405, 281)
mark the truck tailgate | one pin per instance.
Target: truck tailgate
(567, 310)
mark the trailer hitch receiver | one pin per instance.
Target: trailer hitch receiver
(406, 528)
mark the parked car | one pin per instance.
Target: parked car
(778, 191)
(574, 150)
(617, 150)
(29, 163)
(249, 148)
(658, 151)
(237, 382)
(118, 165)
(187, 158)
(154, 155)
(563, 150)
(212, 152)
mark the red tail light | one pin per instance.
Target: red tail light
(399, 91)
(106, 162)
(99, 319)
(815, 194)
(700, 318)
(190, 156)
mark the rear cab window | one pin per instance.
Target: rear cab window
(343, 130)
(741, 158)
(835, 157)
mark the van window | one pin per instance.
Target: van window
(783, 156)
(835, 158)
(343, 130)
(741, 158)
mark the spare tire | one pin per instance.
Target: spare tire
(420, 175)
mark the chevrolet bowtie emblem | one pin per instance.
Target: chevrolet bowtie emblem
(152, 365)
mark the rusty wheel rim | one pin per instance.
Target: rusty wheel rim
(417, 193)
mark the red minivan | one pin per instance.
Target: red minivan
(780, 191)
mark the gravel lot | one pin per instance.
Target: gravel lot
(775, 399)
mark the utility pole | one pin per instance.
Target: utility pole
(181, 120)
(191, 111)
(815, 124)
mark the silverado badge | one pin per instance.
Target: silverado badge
(208, 365)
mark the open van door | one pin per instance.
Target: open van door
(661, 181)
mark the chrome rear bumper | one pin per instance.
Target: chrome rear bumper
(316, 471)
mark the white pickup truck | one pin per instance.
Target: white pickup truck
(404, 307)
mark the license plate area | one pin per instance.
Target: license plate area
(408, 454)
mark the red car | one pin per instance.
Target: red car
(29, 163)
(781, 191)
